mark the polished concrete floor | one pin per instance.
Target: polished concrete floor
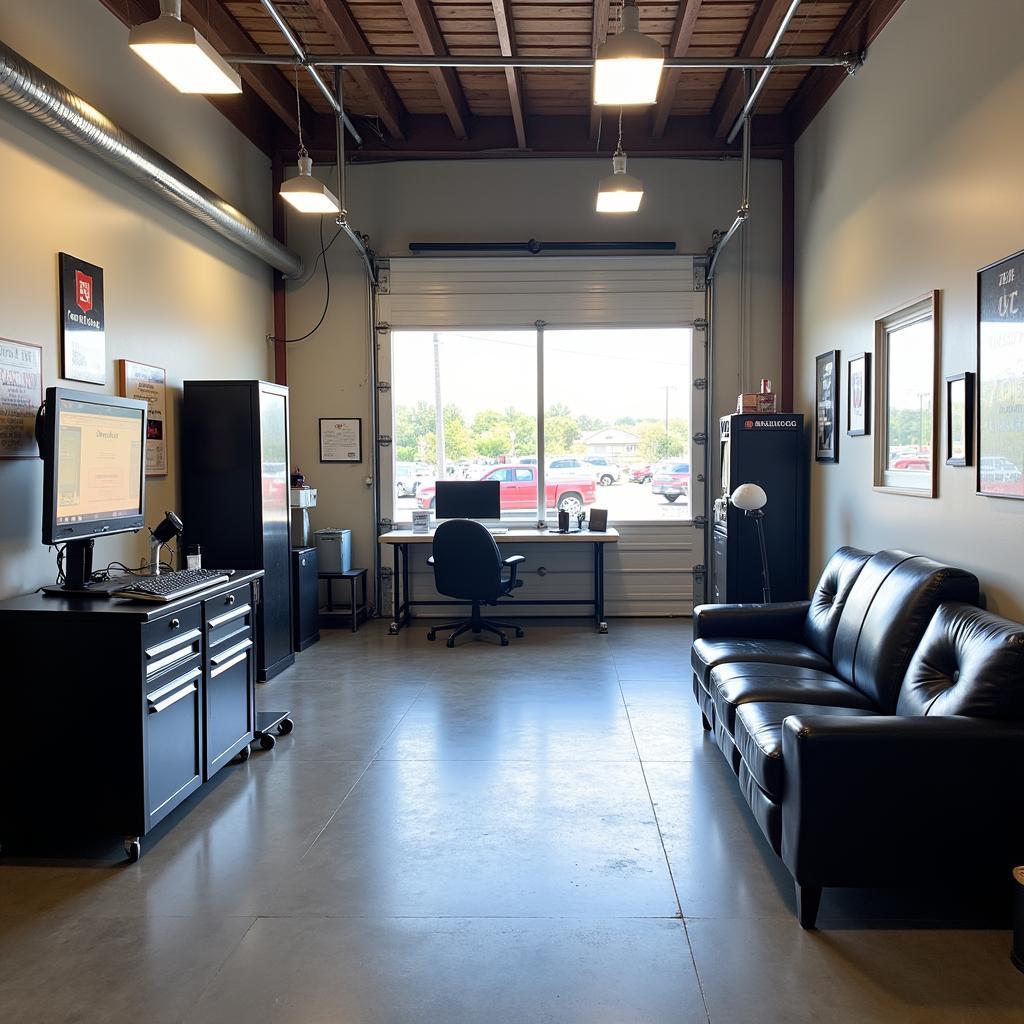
(523, 834)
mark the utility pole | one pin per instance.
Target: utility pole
(438, 411)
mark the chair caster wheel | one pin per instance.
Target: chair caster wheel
(285, 726)
(132, 849)
(267, 742)
(450, 642)
(519, 634)
(393, 629)
(504, 641)
(602, 627)
(243, 754)
(431, 635)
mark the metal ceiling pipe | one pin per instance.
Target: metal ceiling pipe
(302, 58)
(353, 60)
(46, 101)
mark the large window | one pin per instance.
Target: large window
(906, 419)
(615, 421)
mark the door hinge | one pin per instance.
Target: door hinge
(383, 440)
(700, 383)
(701, 522)
(700, 324)
(383, 386)
(700, 438)
(383, 327)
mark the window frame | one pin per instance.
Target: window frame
(911, 484)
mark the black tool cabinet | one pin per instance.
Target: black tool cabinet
(122, 709)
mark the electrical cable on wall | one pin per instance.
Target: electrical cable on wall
(324, 249)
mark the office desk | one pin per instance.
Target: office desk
(400, 540)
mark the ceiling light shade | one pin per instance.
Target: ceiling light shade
(619, 192)
(308, 194)
(179, 53)
(627, 67)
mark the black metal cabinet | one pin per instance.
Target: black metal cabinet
(234, 462)
(123, 709)
(305, 597)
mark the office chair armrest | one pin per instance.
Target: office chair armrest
(513, 563)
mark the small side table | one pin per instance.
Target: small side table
(352, 576)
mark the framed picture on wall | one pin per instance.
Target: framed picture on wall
(826, 407)
(858, 395)
(960, 420)
(21, 394)
(83, 348)
(341, 440)
(148, 383)
(1000, 391)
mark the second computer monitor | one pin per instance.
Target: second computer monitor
(467, 499)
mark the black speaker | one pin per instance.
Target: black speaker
(1017, 953)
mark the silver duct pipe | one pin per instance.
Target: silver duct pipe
(45, 100)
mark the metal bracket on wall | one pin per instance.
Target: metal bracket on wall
(700, 279)
(700, 383)
(384, 525)
(384, 440)
(383, 278)
(383, 327)
(700, 522)
(700, 324)
(383, 386)
(700, 438)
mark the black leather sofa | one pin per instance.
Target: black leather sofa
(877, 730)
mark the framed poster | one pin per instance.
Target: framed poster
(341, 440)
(826, 407)
(148, 383)
(858, 395)
(82, 339)
(1000, 392)
(21, 394)
(960, 420)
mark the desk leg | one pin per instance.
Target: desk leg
(396, 586)
(407, 596)
(602, 626)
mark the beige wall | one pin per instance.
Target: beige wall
(908, 181)
(513, 200)
(176, 295)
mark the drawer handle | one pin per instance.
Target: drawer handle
(230, 599)
(241, 610)
(231, 652)
(220, 669)
(155, 709)
(169, 645)
(174, 623)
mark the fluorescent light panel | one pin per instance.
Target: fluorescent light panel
(179, 53)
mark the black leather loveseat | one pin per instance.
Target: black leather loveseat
(877, 730)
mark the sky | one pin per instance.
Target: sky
(605, 374)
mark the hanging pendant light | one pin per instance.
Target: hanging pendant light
(619, 192)
(304, 192)
(627, 67)
(179, 53)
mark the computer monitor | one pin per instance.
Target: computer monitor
(467, 499)
(94, 476)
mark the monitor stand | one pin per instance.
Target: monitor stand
(77, 570)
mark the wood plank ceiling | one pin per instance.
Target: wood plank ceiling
(418, 112)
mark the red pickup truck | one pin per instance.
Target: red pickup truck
(519, 490)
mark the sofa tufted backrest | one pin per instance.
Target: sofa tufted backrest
(970, 662)
(887, 612)
(829, 598)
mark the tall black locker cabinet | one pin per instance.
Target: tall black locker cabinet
(770, 450)
(235, 496)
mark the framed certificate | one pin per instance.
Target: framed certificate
(83, 339)
(148, 383)
(341, 440)
(21, 394)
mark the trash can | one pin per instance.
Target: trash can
(334, 550)
(1017, 954)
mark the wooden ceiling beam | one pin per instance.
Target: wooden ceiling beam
(430, 39)
(855, 33)
(682, 33)
(337, 21)
(513, 76)
(759, 35)
(599, 32)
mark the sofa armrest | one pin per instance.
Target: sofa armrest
(891, 799)
(781, 621)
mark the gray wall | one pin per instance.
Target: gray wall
(176, 295)
(514, 200)
(908, 181)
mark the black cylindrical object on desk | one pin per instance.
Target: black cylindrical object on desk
(1017, 953)
(563, 522)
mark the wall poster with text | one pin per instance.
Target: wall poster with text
(148, 383)
(83, 345)
(21, 394)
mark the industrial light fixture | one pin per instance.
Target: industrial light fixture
(627, 66)
(619, 192)
(306, 193)
(179, 53)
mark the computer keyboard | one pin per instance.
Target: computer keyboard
(169, 586)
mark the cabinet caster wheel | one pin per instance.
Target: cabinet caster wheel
(602, 627)
(431, 635)
(519, 633)
(267, 742)
(132, 850)
(284, 727)
(393, 629)
(450, 642)
(243, 754)
(504, 641)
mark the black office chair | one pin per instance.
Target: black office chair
(468, 566)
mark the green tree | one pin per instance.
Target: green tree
(560, 433)
(558, 409)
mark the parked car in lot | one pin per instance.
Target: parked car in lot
(607, 472)
(671, 480)
(641, 474)
(519, 490)
(410, 477)
(569, 467)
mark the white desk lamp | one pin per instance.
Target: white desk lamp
(752, 499)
